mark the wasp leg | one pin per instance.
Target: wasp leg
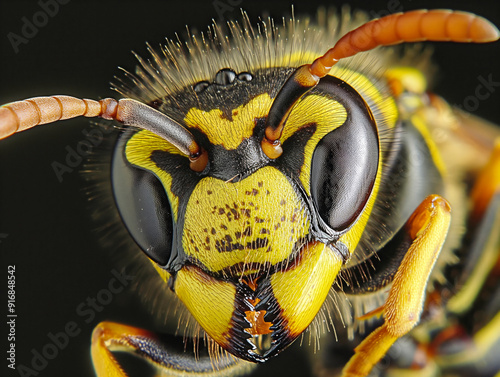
(487, 183)
(109, 336)
(478, 296)
(483, 252)
(483, 256)
(427, 227)
(468, 341)
(474, 356)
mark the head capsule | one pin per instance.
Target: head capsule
(248, 227)
(255, 237)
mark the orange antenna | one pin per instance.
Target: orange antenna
(21, 115)
(414, 26)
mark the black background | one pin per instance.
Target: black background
(44, 227)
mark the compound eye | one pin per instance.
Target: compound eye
(143, 206)
(344, 167)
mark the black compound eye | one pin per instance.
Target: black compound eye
(143, 206)
(345, 162)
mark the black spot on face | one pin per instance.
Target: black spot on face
(235, 214)
(224, 246)
(257, 243)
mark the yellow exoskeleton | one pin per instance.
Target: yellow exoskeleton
(276, 185)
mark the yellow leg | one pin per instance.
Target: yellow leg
(427, 228)
(485, 216)
(487, 183)
(109, 336)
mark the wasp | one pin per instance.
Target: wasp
(279, 188)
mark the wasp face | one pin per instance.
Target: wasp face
(251, 245)
(248, 240)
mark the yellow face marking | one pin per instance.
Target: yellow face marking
(301, 290)
(256, 220)
(362, 84)
(383, 102)
(222, 131)
(204, 296)
(138, 152)
(326, 113)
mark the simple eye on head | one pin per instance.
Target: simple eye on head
(143, 205)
